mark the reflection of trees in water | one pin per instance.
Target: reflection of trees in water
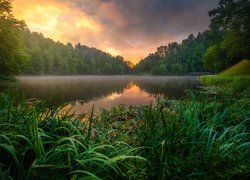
(129, 85)
(172, 88)
(66, 90)
(86, 88)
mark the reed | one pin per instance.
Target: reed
(202, 136)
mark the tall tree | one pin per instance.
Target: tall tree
(12, 50)
(229, 34)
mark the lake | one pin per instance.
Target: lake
(82, 92)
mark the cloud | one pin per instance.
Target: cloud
(132, 28)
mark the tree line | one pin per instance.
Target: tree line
(225, 43)
(176, 58)
(50, 57)
(25, 52)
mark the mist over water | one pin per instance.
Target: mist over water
(82, 92)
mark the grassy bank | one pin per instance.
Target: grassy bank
(235, 84)
(240, 69)
(235, 79)
(199, 137)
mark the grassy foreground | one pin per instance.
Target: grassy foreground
(199, 137)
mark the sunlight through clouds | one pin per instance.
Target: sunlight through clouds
(113, 51)
(118, 27)
(85, 23)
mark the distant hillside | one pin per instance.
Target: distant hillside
(242, 68)
(176, 59)
(51, 58)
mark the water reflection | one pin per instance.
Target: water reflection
(81, 92)
(172, 87)
(132, 95)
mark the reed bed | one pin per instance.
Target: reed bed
(202, 136)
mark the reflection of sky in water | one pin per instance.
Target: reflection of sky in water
(82, 92)
(132, 95)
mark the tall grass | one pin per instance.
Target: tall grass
(198, 137)
(37, 141)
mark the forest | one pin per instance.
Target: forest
(30, 53)
(54, 58)
(175, 58)
(224, 44)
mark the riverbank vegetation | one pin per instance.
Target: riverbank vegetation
(227, 83)
(201, 136)
(235, 79)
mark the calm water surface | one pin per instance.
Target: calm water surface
(82, 92)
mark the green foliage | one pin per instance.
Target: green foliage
(224, 44)
(229, 32)
(194, 139)
(215, 58)
(12, 50)
(199, 137)
(230, 15)
(176, 58)
(159, 70)
(236, 84)
(237, 45)
(49, 57)
(40, 142)
(18, 45)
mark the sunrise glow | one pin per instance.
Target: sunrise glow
(107, 25)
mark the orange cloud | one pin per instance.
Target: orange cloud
(55, 20)
(59, 21)
(127, 28)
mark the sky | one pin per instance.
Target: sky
(130, 28)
